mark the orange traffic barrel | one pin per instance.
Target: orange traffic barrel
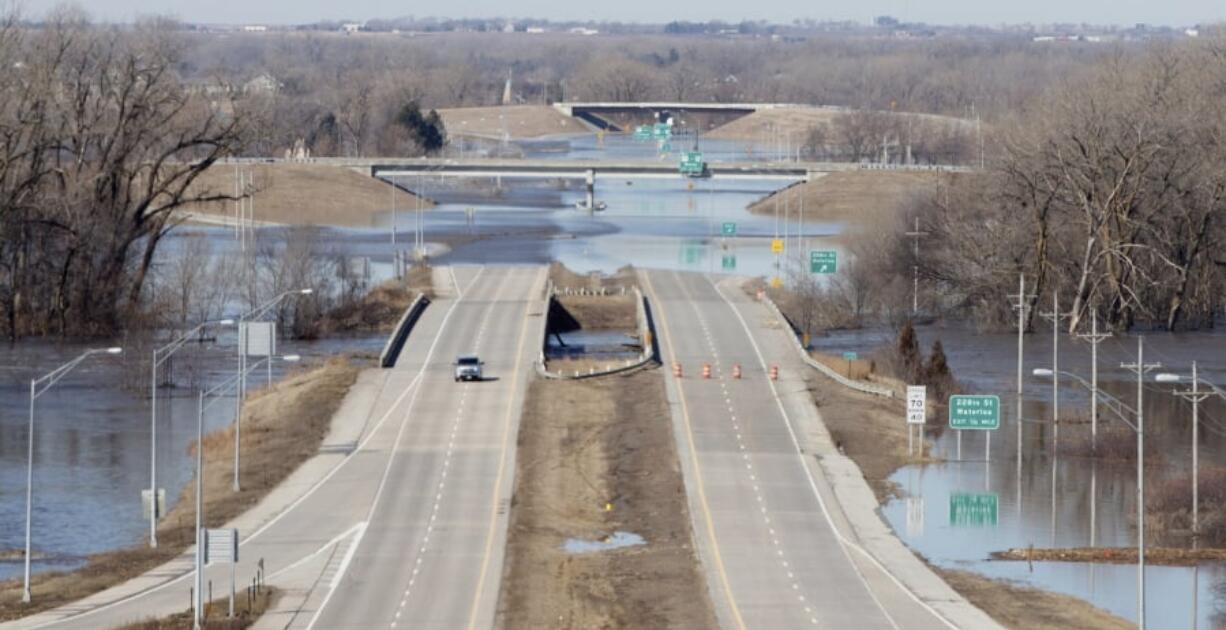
(774, 372)
(736, 370)
(706, 370)
(677, 370)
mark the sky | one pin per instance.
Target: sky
(983, 12)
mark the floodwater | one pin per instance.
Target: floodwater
(592, 344)
(616, 540)
(1052, 500)
(92, 440)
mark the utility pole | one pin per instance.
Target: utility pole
(1195, 395)
(915, 237)
(1140, 368)
(1094, 338)
(393, 183)
(1055, 316)
(1022, 306)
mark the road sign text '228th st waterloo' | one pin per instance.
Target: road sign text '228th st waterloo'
(974, 412)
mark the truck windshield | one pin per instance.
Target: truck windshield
(468, 361)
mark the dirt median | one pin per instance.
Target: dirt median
(597, 457)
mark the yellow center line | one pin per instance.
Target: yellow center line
(689, 430)
(502, 459)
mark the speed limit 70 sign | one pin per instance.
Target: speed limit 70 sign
(917, 399)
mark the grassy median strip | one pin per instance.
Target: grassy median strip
(283, 426)
(597, 457)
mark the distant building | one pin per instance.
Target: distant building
(351, 28)
(262, 84)
(579, 30)
(508, 28)
(1192, 32)
(535, 29)
(255, 28)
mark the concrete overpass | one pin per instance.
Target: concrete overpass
(618, 116)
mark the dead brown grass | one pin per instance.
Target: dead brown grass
(519, 121)
(564, 278)
(860, 198)
(246, 613)
(601, 312)
(283, 426)
(304, 194)
(1165, 556)
(596, 457)
(381, 308)
(757, 125)
(1024, 607)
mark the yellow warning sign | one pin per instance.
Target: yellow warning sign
(776, 282)
(777, 246)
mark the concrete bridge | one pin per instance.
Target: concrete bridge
(617, 116)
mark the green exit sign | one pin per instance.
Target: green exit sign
(973, 509)
(823, 261)
(974, 412)
(728, 262)
(729, 229)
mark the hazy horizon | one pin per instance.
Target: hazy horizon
(951, 12)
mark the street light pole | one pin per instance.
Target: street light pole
(915, 237)
(38, 387)
(1140, 368)
(1023, 308)
(165, 352)
(240, 385)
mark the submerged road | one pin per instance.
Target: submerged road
(764, 519)
(401, 521)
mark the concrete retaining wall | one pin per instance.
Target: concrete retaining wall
(646, 331)
(391, 350)
(860, 386)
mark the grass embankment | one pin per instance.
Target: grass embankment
(381, 308)
(283, 426)
(766, 126)
(596, 457)
(518, 121)
(1024, 607)
(303, 194)
(246, 614)
(860, 198)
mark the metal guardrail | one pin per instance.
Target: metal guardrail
(646, 331)
(860, 386)
(395, 343)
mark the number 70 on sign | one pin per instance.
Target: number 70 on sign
(917, 400)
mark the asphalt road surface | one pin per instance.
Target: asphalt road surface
(406, 526)
(761, 521)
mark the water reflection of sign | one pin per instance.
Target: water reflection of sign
(915, 517)
(777, 246)
(729, 229)
(823, 261)
(974, 412)
(691, 252)
(728, 261)
(972, 510)
(917, 398)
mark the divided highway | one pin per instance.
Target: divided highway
(764, 521)
(401, 522)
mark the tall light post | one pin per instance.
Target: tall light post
(38, 387)
(236, 382)
(915, 236)
(1140, 368)
(1022, 307)
(1194, 395)
(255, 313)
(1055, 316)
(160, 355)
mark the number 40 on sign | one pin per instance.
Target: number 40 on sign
(917, 400)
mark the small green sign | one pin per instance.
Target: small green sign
(823, 261)
(973, 510)
(662, 131)
(850, 356)
(692, 163)
(728, 261)
(642, 132)
(729, 229)
(974, 412)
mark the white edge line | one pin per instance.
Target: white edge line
(322, 548)
(374, 504)
(813, 484)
